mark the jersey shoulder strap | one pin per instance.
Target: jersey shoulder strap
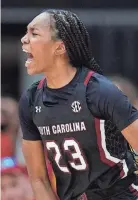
(32, 91)
(40, 84)
(88, 76)
(86, 80)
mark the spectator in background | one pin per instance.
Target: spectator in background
(10, 130)
(9, 126)
(7, 141)
(14, 181)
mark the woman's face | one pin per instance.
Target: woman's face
(38, 45)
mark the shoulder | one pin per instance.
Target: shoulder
(103, 97)
(29, 129)
(100, 81)
(28, 95)
(26, 102)
(102, 87)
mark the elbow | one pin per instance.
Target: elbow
(36, 179)
(134, 148)
(136, 151)
(39, 181)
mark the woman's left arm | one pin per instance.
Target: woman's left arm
(131, 134)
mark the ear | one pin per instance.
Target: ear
(60, 48)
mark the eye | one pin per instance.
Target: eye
(34, 34)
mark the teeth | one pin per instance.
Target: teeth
(25, 51)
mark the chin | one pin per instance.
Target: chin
(32, 72)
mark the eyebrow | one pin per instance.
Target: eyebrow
(32, 28)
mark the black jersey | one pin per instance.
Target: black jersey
(80, 126)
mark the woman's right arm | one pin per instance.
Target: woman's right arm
(34, 153)
(36, 166)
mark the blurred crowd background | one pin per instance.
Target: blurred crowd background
(113, 27)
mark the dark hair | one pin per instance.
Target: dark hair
(68, 27)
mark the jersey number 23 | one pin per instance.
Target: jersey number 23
(71, 147)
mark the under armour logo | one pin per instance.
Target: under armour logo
(76, 106)
(37, 109)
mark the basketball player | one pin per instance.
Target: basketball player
(74, 116)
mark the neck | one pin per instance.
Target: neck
(60, 75)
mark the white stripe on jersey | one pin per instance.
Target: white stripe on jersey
(107, 153)
(134, 186)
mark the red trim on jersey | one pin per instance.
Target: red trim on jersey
(87, 78)
(99, 140)
(40, 85)
(134, 191)
(82, 197)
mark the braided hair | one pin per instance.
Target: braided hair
(66, 26)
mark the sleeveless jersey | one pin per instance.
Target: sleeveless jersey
(72, 139)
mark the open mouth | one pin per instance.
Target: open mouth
(29, 57)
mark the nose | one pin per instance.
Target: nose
(25, 39)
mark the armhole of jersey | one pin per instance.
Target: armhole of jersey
(88, 76)
(40, 85)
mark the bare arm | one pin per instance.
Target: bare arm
(36, 166)
(131, 135)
